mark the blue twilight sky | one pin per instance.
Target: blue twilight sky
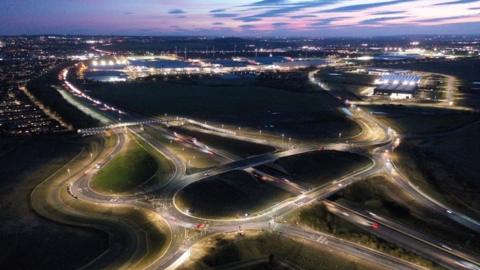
(240, 17)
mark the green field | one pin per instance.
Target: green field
(132, 167)
(237, 102)
(21, 228)
(228, 195)
(237, 147)
(270, 251)
(317, 168)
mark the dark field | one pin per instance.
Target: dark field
(229, 195)
(317, 168)
(423, 121)
(237, 102)
(466, 69)
(21, 228)
(445, 167)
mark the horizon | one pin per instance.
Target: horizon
(244, 36)
(242, 18)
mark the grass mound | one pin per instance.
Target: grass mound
(132, 167)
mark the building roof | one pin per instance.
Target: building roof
(404, 83)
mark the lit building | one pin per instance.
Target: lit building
(397, 85)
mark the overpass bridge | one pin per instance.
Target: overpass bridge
(97, 130)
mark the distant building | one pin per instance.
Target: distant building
(397, 85)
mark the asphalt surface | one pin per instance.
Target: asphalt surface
(380, 140)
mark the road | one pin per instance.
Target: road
(378, 140)
(405, 237)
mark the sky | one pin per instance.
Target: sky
(308, 18)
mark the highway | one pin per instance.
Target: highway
(405, 237)
(378, 140)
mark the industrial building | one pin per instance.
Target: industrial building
(397, 85)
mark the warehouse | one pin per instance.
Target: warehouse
(397, 86)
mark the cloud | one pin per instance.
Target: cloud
(217, 23)
(224, 15)
(440, 19)
(247, 26)
(279, 24)
(382, 19)
(456, 2)
(176, 11)
(267, 3)
(303, 16)
(361, 7)
(249, 19)
(388, 13)
(284, 8)
(328, 21)
(218, 10)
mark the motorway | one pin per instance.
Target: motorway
(380, 140)
(407, 238)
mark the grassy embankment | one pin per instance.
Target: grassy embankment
(136, 165)
(319, 218)
(267, 251)
(378, 195)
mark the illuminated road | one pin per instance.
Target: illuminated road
(402, 236)
(379, 139)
